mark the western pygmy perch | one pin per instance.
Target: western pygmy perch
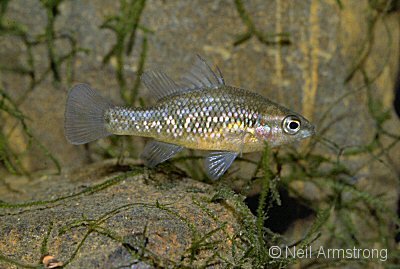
(198, 112)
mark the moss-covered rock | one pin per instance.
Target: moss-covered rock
(107, 216)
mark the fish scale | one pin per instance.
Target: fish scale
(207, 119)
(198, 112)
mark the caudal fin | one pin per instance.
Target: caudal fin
(84, 115)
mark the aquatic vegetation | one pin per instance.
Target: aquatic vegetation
(267, 39)
(33, 43)
(9, 107)
(125, 26)
(8, 155)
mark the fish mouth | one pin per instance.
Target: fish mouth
(308, 132)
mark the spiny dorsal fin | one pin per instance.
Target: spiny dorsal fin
(201, 75)
(160, 84)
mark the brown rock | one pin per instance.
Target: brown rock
(104, 216)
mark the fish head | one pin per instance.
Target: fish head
(278, 125)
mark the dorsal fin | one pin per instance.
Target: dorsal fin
(201, 75)
(160, 84)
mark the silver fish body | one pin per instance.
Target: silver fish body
(225, 118)
(201, 113)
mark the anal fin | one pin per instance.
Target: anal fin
(156, 152)
(218, 162)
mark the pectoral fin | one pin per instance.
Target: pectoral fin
(156, 152)
(218, 162)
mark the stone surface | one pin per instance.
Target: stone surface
(104, 216)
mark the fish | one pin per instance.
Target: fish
(199, 111)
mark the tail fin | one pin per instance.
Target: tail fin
(84, 115)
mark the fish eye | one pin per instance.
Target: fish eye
(291, 125)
